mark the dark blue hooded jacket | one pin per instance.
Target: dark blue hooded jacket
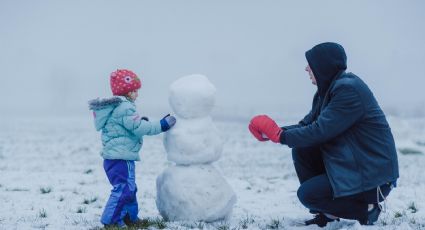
(348, 126)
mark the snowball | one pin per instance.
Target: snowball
(193, 141)
(195, 193)
(192, 96)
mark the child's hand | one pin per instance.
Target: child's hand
(167, 122)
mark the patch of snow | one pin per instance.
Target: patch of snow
(63, 154)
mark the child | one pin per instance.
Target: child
(122, 138)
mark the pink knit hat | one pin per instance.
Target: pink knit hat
(124, 81)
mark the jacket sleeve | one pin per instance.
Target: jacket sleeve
(133, 122)
(288, 127)
(300, 124)
(344, 109)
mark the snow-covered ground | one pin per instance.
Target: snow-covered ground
(52, 178)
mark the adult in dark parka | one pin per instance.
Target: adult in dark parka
(343, 150)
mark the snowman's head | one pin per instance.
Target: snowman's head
(192, 96)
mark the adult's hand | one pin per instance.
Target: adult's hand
(255, 131)
(263, 124)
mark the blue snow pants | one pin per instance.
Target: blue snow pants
(122, 201)
(316, 194)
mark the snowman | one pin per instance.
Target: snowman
(192, 189)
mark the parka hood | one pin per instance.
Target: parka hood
(102, 109)
(326, 60)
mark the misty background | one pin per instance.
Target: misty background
(56, 55)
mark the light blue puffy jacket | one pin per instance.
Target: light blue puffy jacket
(122, 127)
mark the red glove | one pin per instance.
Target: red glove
(263, 124)
(256, 132)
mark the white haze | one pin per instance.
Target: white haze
(56, 55)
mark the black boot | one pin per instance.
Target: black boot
(372, 215)
(320, 220)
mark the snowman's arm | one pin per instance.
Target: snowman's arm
(139, 127)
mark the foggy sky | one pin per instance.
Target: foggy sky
(56, 55)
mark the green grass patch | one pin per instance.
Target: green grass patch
(410, 151)
(90, 200)
(17, 190)
(245, 222)
(412, 207)
(275, 224)
(145, 223)
(42, 213)
(223, 227)
(45, 190)
(398, 214)
(81, 210)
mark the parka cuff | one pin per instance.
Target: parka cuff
(283, 137)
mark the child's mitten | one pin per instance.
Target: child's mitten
(167, 122)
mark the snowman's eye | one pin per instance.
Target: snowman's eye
(127, 79)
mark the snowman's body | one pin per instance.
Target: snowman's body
(193, 189)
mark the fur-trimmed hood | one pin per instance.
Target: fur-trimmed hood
(102, 109)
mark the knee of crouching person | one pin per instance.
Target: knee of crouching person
(303, 196)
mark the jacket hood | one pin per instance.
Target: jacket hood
(102, 109)
(326, 60)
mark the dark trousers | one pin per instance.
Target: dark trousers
(316, 194)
